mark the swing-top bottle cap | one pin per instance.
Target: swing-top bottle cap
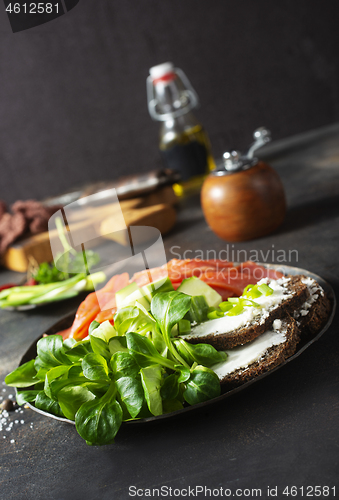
(161, 70)
(169, 92)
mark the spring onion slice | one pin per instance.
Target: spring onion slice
(234, 306)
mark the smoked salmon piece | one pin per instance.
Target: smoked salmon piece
(221, 275)
(258, 271)
(65, 333)
(177, 270)
(89, 309)
(106, 315)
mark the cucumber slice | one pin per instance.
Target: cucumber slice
(128, 295)
(122, 294)
(193, 286)
(137, 296)
(160, 285)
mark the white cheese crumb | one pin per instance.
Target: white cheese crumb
(277, 324)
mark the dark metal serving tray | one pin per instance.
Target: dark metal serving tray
(68, 320)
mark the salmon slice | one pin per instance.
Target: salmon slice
(106, 315)
(177, 270)
(221, 275)
(65, 333)
(224, 290)
(258, 271)
(96, 302)
(85, 314)
(148, 276)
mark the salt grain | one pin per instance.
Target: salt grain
(12, 441)
(22, 421)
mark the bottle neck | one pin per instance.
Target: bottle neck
(181, 123)
(171, 98)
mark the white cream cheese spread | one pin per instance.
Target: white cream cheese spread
(242, 356)
(250, 314)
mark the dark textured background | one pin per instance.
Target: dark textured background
(73, 100)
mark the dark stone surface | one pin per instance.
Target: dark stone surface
(280, 432)
(73, 97)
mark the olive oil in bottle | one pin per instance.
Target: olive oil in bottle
(183, 143)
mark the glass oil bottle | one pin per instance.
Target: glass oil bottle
(183, 143)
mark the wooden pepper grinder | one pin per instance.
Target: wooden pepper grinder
(243, 198)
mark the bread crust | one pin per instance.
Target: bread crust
(311, 319)
(273, 357)
(224, 341)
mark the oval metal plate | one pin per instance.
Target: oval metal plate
(68, 320)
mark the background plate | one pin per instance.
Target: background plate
(68, 320)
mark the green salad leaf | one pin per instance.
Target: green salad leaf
(202, 385)
(168, 309)
(95, 367)
(23, 397)
(43, 402)
(170, 387)
(72, 397)
(131, 393)
(135, 369)
(124, 365)
(203, 354)
(151, 382)
(98, 421)
(23, 376)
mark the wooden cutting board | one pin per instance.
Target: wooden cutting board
(155, 210)
(161, 216)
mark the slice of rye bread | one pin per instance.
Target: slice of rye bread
(314, 313)
(272, 357)
(221, 341)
